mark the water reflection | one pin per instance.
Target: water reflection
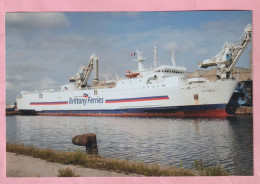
(226, 142)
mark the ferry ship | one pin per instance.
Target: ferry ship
(162, 91)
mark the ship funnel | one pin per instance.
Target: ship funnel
(140, 60)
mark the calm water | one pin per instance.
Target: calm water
(226, 142)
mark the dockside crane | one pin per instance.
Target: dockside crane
(82, 76)
(229, 55)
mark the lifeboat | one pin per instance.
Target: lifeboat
(129, 74)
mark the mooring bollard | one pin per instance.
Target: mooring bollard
(89, 140)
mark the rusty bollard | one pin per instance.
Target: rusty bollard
(89, 140)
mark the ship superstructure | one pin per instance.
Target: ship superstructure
(160, 91)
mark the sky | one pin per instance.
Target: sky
(43, 50)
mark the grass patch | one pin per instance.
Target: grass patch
(66, 173)
(209, 171)
(97, 162)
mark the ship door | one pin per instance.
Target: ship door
(196, 96)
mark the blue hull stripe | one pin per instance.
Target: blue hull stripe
(139, 98)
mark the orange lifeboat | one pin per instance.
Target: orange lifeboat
(129, 74)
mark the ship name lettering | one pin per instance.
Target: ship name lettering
(84, 101)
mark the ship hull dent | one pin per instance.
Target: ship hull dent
(216, 110)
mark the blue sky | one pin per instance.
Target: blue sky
(44, 49)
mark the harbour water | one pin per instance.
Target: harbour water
(169, 141)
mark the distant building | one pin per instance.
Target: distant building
(242, 74)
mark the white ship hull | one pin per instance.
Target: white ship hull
(169, 98)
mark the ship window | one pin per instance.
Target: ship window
(40, 95)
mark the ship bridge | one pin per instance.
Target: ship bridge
(171, 70)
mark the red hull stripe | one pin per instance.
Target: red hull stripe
(138, 99)
(221, 113)
(49, 103)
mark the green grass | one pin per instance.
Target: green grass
(66, 173)
(209, 171)
(97, 162)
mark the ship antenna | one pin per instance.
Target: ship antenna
(154, 56)
(117, 76)
(173, 58)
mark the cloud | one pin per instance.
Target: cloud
(56, 42)
(10, 86)
(14, 78)
(171, 45)
(128, 14)
(202, 51)
(47, 83)
(24, 22)
(214, 25)
(132, 14)
(188, 45)
(25, 68)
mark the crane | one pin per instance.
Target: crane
(229, 55)
(82, 76)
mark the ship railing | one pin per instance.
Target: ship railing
(54, 91)
(45, 91)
